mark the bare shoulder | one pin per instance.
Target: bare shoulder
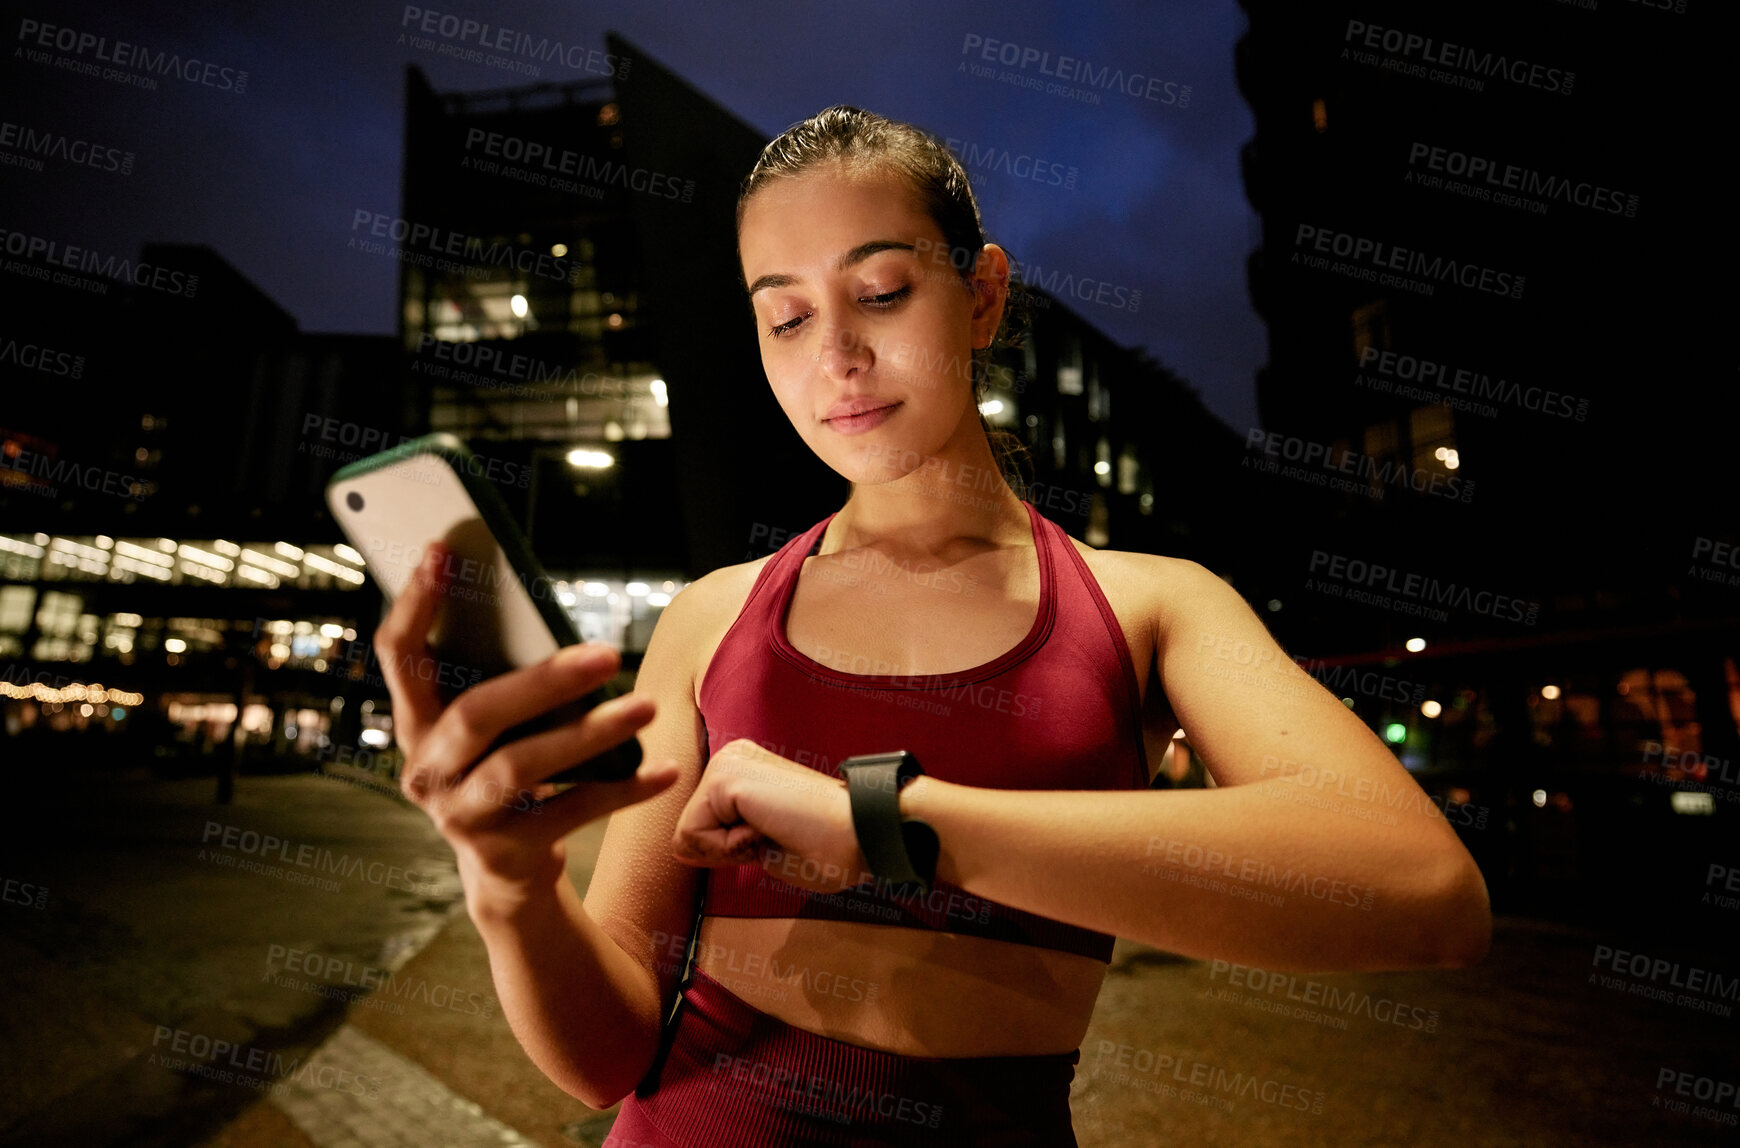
(696, 620)
(723, 591)
(1153, 588)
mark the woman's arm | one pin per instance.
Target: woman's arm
(586, 1011)
(583, 983)
(587, 1015)
(641, 896)
(1315, 852)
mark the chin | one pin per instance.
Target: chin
(882, 460)
(854, 468)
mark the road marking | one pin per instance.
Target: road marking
(408, 1107)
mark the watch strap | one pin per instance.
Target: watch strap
(903, 852)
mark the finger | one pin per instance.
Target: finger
(402, 643)
(524, 762)
(586, 801)
(703, 830)
(476, 719)
(720, 845)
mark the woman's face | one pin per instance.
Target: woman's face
(866, 329)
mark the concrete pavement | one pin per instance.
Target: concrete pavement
(1523, 1050)
(1536, 1046)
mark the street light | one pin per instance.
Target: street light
(583, 458)
(578, 457)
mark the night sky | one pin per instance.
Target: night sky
(271, 177)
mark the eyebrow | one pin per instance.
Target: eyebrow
(851, 258)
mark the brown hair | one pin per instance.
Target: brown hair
(854, 136)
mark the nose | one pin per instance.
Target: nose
(844, 352)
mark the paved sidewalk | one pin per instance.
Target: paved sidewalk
(1526, 1050)
(147, 991)
(363, 1014)
(449, 1069)
(396, 1104)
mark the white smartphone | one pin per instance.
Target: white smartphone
(501, 610)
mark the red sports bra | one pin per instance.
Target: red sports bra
(1061, 710)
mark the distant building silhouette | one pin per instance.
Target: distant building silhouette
(568, 279)
(634, 179)
(1481, 240)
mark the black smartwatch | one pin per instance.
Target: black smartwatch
(901, 851)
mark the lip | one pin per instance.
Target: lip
(859, 415)
(847, 407)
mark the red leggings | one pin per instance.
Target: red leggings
(735, 1077)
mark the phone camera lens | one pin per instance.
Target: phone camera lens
(354, 500)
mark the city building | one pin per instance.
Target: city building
(571, 306)
(1474, 270)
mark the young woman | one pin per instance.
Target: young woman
(1033, 679)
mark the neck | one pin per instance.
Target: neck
(958, 493)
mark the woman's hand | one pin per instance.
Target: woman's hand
(506, 826)
(755, 806)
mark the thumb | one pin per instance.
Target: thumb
(650, 779)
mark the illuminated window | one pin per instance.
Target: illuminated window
(1099, 398)
(15, 604)
(1130, 473)
(1382, 441)
(1657, 705)
(1433, 433)
(61, 625)
(1382, 444)
(1371, 328)
(1069, 372)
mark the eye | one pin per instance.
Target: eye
(883, 302)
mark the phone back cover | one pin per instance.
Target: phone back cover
(490, 621)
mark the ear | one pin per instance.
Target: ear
(990, 284)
